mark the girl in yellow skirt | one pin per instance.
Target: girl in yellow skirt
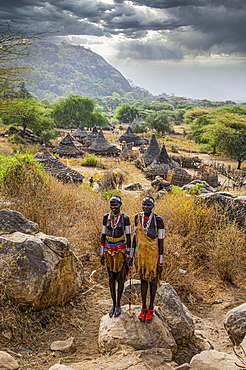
(116, 250)
(148, 247)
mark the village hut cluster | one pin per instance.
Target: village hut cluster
(156, 162)
(152, 157)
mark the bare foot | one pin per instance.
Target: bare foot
(111, 312)
(117, 311)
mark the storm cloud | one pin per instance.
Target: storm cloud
(172, 28)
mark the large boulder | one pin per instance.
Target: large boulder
(126, 329)
(235, 323)
(11, 221)
(234, 206)
(214, 360)
(38, 270)
(177, 315)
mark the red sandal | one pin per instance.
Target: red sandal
(142, 315)
(149, 316)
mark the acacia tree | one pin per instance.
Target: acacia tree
(223, 131)
(230, 133)
(159, 122)
(73, 110)
(126, 113)
(14, 44)
(28, 113)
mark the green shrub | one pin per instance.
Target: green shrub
(106, 195)
(173, 148)
(89, 160)
(194, 190)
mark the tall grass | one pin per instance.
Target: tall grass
(200, 243)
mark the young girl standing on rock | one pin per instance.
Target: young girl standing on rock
(116, 250)
(148, 247)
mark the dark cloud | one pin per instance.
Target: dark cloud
(156, 51)
(193, 27)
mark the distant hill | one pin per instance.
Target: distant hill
(58, 69)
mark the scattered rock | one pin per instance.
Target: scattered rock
(134, 186)
(60, 367)
(67, 345)
(213, 360)
(6, 335)
(161, 194)
(204, 188)
(11, 221)
(126, 329)
(235, 323)
(7, 362)
(155, 357)
(183, 367)
(122, 358)
(203, 342)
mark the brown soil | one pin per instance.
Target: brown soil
(81, 318)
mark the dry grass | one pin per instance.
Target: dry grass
(201, 245)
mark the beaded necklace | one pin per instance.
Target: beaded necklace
(146, 227)
(114, 219)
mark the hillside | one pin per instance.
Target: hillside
(60, 69)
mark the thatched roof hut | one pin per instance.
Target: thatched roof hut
(67, 148)
(127, 154)
(160, 165)
(80, 133)
(56, 168)
(101, 145)
(152, 152)
(130, 137)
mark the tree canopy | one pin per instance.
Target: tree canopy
(74, 110)
(220, 129)
(126, 112)
(159, 122)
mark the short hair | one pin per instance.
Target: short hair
(117, 198)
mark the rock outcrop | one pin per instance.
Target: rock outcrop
(177, 315)
(232, 205)
(235, 323)
(39, 270)
(126, 329)
(213, 360)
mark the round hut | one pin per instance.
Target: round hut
(130, 137)
(101, 145)
(67, 148)
(80, 134)
(152, 152)
(91, 136)
(161, 165)
(56, 168)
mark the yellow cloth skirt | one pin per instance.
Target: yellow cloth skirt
(146, 255)
(115, 259)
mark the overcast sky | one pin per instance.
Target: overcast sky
(191, 48)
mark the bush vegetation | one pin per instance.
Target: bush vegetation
(202, 246)
(90, 160)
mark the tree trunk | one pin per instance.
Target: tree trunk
(239, 165)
